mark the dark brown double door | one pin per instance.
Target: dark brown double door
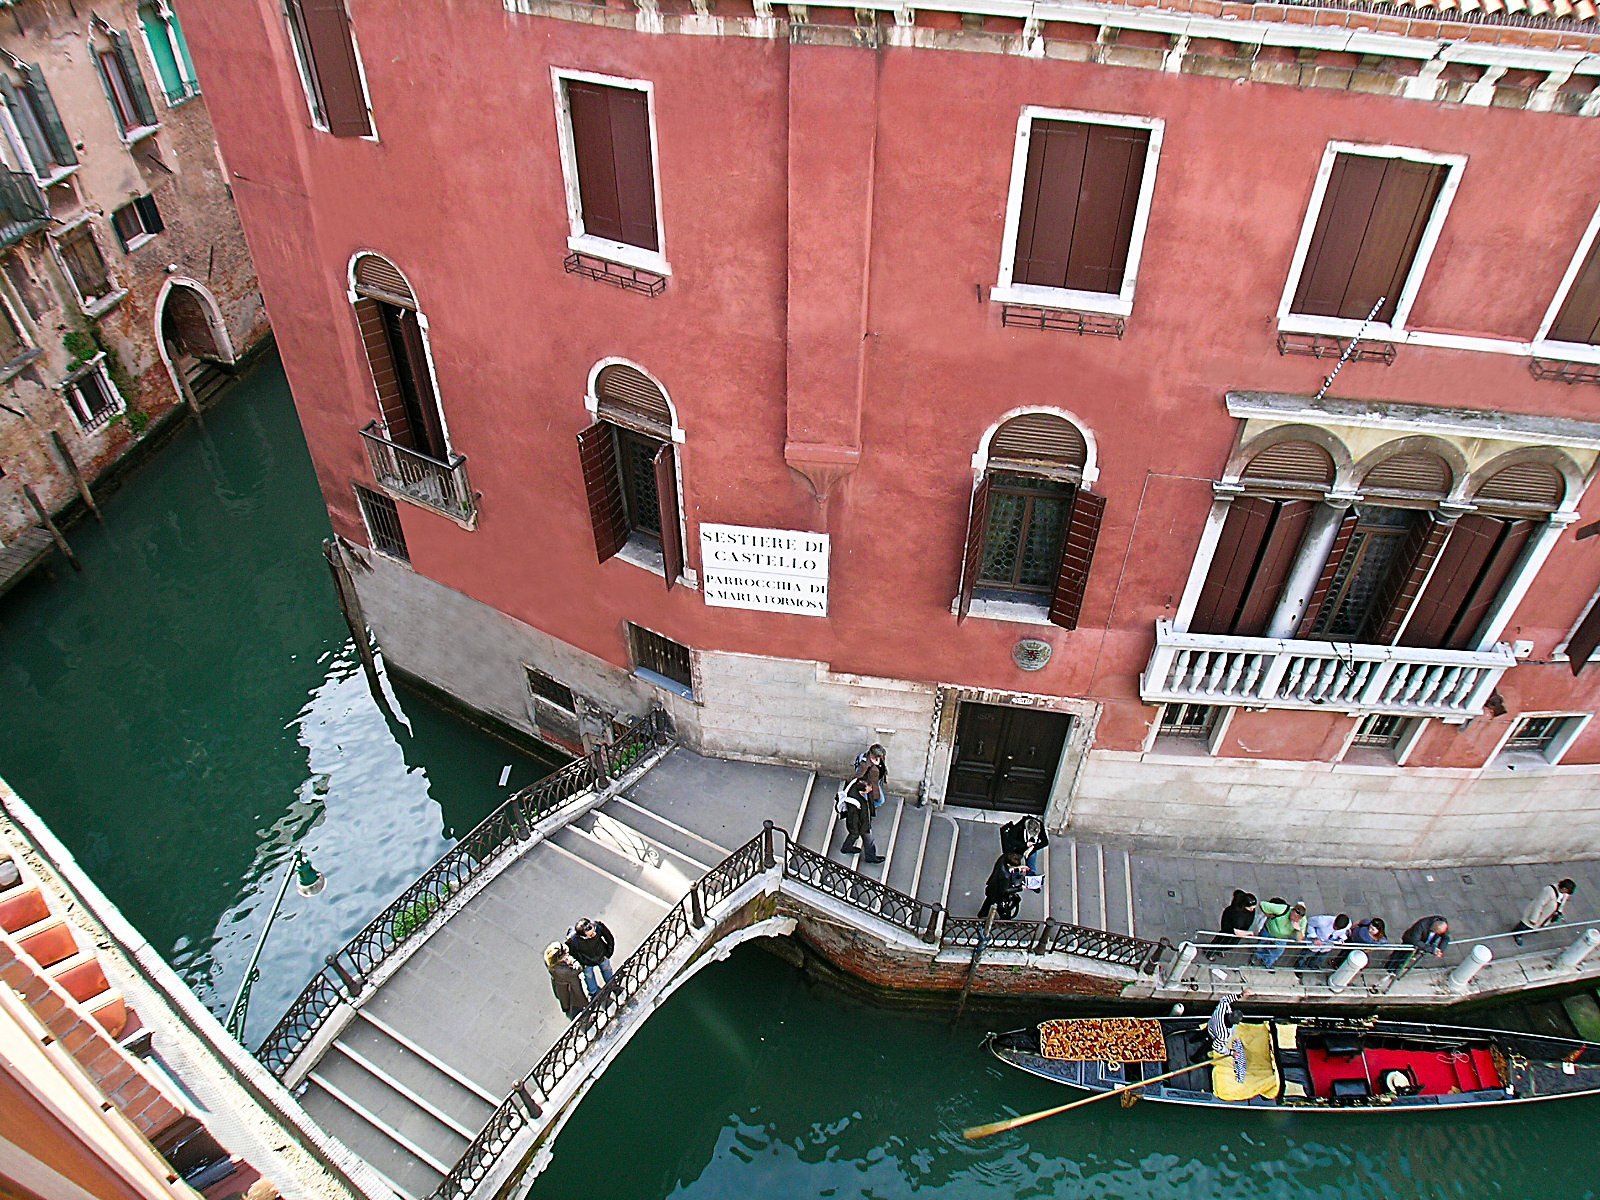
(1006, 758)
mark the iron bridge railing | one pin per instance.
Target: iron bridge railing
(347, 972)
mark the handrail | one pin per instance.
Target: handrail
(347, 971)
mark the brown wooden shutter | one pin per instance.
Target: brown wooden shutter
(1579, 318)
(972, 556)
(667, 502)
(1394, 600)
(1077, 553)
(602, 480)
(1319, 595)
(1374, 211)
(1584, 639)
(385, 378)
(427, 423)
(1079, 193)
(332, 51)
(616, 173)
(1490, 583)
(1272, 571)
(1461, 561)
(1232, 564)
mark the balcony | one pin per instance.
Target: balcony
(409, 475)
(23, 209)
(1205, 668)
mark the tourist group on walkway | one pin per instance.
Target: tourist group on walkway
(1322, 942)
(580, 966)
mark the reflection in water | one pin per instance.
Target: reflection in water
(753, 1083)
(190, 707)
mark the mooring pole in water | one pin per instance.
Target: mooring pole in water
(184, 389)
(972, 967)
(77, 475)
(44, 515)
(344, 588)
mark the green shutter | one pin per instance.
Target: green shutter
(44, 109)
(155, 33)
(135, 78)
(183, 52)
(31, 137)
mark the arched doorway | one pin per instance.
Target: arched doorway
(194, 340)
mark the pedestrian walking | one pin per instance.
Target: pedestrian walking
(592, 945)
(870, 769)
(1549, 907)
(1238, 921)
(856, 806)
(1324, 935)
(1003, 889)
(1428, 936)
(1025, 836)
(566, 979)
(1285, 923)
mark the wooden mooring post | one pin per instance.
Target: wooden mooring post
(44, 516)
(77, 475)
(344, 589)
(972, 967)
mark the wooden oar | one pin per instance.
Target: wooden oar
(983, 1131)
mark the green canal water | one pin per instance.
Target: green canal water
(190, 708)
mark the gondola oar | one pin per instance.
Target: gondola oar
(983, 1131)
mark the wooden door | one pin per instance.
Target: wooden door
(1006, 758)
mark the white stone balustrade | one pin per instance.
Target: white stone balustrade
(1206, 668)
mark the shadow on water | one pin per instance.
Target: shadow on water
(190, 707)
(754, 1083)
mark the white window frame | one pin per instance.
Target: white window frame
(353, 294)
(1119, 303)
(145, 235)
(579, 240)
(137, 133)
(30, 348)
(19, 151)
(1291, 322)
(104, 303)
(1543, 347)
(298, 52)
(1551, 755)
(95, 368)
(191, 85)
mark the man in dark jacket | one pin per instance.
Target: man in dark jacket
(592, 945)
(1025, 836)
(1003, 889)
(857, 800)
(1428, 936)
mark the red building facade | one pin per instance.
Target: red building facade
(957, 379)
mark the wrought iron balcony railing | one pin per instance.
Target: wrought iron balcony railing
(23, 209)
(1205, 668)
(441, 486)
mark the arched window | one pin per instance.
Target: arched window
(630, 470)
(391, 332)
(1033, 524)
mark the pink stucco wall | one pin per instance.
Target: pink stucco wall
(763, 182)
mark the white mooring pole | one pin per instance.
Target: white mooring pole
(1574, 954)
(1347, 970)
(1476, 960)
(1180, 967)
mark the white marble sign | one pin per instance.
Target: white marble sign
(778, 570)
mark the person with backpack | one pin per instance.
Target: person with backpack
(870, 769)
(855, 806)
(1547, 908)
(1003, 889)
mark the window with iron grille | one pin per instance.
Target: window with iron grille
(661, 656)
(137, 222)
(91, 397)
(1022, 544)
(1374, 552)
(1382, 730)
(1188, 720)
(545, 688)
(85, 265)
(1536, 733)
(383, 523)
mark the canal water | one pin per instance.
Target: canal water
(190, 709)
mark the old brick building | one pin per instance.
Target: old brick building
(956, 377)
(126, 278)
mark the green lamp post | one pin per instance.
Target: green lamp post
(308, 882)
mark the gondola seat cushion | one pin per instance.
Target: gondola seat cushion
(1350, 1089)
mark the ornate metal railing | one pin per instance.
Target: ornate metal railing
(442, 486)
(1285, 673)
(1054, 937)
(511, 823)
(837, 880)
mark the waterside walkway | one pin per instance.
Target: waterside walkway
(441, 1057)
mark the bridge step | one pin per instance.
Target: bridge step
(409, 1175)
(663, 882)
(394, 1035)
(910, 846)
(665, 831)
(408, 1119)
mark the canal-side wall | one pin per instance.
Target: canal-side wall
(1171, 799)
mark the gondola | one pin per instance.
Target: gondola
(1311, 1064)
